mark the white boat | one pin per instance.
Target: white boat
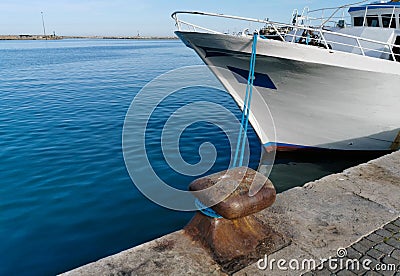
(331, 83)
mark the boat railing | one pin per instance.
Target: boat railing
(313, 36)
(324, 17)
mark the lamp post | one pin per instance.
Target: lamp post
(44, 28)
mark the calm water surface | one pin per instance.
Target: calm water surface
(66, 198)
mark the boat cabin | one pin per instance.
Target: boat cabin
(381, 14)
(375, 31)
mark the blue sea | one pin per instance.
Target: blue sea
(66, 197)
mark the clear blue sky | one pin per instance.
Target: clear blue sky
(127, 17)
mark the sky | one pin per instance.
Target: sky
(130, 17)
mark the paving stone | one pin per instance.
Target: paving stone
(353, 265)
(397, 222)
(372, 262)
(387, 273)
(353, 254)
(385, 248)
(333, 271)
(327, 270)
(345, 273)
(323, 272)
(360, 248)
(360, 271)
(390, 260)
(367, 243)
(390, 270)
(384, 233)
(377, 255)
(341, 264)
(372, 273)
(396, 254)
(375, 238)
(392, 228)
(394, 242)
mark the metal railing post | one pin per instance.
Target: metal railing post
(276, 30)
(391, 18)
(323, 38)
(365, 17)
(359, 46)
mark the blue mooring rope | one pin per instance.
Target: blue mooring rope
(246, 107)
(205, 210)
(243, 128)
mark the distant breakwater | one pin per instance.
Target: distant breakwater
(54, 37)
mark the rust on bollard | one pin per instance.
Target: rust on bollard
(239, 238)
(238, 204)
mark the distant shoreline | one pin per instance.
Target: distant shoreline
(52, 37)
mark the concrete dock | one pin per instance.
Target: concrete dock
(354, 215)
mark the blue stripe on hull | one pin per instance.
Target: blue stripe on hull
(289, 146)
(260, 79)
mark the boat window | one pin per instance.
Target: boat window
(373, 21)
(396, 49)
(388, 20)
(358, 21)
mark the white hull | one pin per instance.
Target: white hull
(318, 98)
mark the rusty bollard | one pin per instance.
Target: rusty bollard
(238, 238)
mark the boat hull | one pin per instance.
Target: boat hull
(317, 98)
